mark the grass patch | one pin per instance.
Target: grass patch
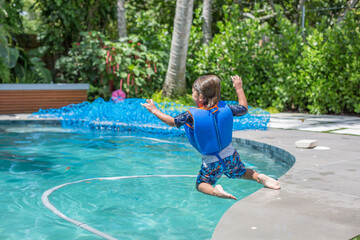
(184, 100)
(272, 110)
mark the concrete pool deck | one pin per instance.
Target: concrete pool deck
(320, 195)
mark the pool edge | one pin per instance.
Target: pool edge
(312, 204)
(277, 153)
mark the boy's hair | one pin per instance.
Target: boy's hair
(210, 87)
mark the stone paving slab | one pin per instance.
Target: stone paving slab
(354, 131)
(316, 123)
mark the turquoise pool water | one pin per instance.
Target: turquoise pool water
(35, 158)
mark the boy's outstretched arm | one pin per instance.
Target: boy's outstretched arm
(149, 105)
(238, 84)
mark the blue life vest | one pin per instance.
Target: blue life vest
(211, 131)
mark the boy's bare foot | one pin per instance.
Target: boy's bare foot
(268, 182)
(219, 192)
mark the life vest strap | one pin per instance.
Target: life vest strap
(214, 110)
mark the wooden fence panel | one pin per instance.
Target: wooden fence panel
(29, 101)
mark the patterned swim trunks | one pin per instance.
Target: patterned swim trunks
(212, 172)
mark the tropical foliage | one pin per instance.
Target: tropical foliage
(108, 66)
(16, 64)
(315, 69)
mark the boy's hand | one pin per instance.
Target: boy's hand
(237, 82)
(149, 105)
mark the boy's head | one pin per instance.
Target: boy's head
(207, 91)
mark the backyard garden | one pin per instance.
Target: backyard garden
(118, 171)
(299, 56)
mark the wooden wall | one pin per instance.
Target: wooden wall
(29, 101)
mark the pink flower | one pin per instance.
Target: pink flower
(118, 95)
(78, 44)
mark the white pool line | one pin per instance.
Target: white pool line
(47, 203)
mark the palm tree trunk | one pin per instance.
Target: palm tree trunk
(175, 83)
(121, 18)
(207, 16)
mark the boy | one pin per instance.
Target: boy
(209, 130)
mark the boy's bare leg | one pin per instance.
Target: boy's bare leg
(218, 191)
(261, 178)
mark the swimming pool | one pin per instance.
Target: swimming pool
(35, 158)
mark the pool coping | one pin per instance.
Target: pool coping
(312, 203)
(276, 153)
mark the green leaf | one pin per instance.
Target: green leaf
(12, 57)
(3, 41)
(136, 71)
(4, 51)
(45, 74)
(131, 67)
(123, 75)
(149, 71)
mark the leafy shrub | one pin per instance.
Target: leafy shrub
(62, 21)
(113, 65)
(237, 49)
(318, 74)
(328, 69)
(17, 65)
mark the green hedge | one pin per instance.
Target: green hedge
(317, 74)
